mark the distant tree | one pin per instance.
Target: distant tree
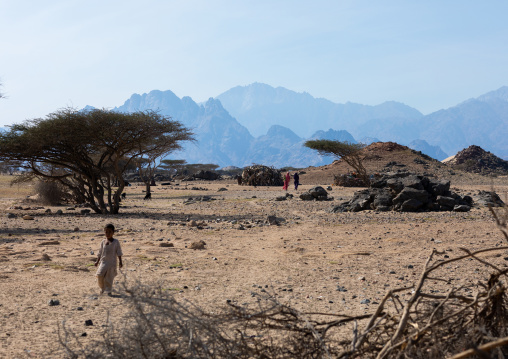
(349, 152)
(172, 165)
(89, 151)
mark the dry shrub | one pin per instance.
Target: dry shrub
(51, 192)
(466, 322)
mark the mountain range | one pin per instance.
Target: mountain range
(266, 125)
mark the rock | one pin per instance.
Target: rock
(280, 198)
(222, 189)
(198, 244)
(411, 205)
(88, 322)
(365, 301)
(49, 243)
(45, 257)
(48, 210)
(411, 193)
(447, 202)
(76, 229)
(10, 215)
(272, 220)
(317, 192)
(461, 208)
(28, 218)
(192, 224)
(165, 244)
(85, 211)
(59, 212)
(306, 197)
(53, 302)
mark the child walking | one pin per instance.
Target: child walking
(106, 260)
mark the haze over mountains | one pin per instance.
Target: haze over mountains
(261, 124)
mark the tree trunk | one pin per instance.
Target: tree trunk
(148, 190)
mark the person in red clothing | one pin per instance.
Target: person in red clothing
(286, 181)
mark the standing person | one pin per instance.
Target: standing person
(296, 178)
(286, 181)
(106, 260)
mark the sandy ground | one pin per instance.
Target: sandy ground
(303, 261)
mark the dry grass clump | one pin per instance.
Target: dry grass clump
(466, 322)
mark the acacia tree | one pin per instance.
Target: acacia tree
(89, 151)
(172, 165)
(347, 151)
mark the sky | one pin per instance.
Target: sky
(429, 54)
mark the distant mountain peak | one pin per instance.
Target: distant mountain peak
(499, 94)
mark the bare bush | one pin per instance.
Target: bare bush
(51, 192)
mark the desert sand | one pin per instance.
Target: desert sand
(312, 260)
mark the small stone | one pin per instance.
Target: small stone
(45, 257)
(272, 220)
(11, 215)
(198, 244)
(71, 208)
(365, 301)
(49, 243)
(28, 218)
(48, 210)
(79, 308)
(192, 224)
(165, 244)
(88, 322)
(83, 334)
(53, 302)
(76, 229)
(59, 212)
(410, 266)
(85, 211)
(361, 278)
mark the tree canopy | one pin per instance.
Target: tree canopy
(347, 151)
(89, 151)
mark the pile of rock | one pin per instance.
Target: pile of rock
(259, 175)
(406, 192)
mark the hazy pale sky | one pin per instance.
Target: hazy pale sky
(427, 54)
